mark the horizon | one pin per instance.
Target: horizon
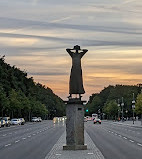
(35, 35)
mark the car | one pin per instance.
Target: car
(85, 119)
(15, 121)
(22, 121)
(0, 124)
(7, 121)
(39, 119)
(3, 123)
(35, 119)
(97, 121)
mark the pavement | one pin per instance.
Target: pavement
(130, 123)
(57, 151)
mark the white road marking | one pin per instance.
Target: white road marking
(17, 141)
(90, 153)
(58, 154)
(4, 135)
(139, 144)
(7, 145)
(131, 140)
(24, 138)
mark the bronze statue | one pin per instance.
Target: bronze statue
(76, 80)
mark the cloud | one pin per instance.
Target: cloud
(47, 73)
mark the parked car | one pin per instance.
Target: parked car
(97, 121)
(22, 121)
(0, 124)
(7, 121)
(15, 121)
(85, 119)
(3, 123)
(34, 119)
(39, 119)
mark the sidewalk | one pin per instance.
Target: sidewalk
(57, 151)
(130, 123)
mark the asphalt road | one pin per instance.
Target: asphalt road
(116, 141)
(29, 141)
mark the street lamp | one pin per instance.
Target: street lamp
(122, 105)
(133, 107)
(118, 109)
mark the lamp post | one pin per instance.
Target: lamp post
(122, 105)
(126, 114)
(118, 109)
(133, 107)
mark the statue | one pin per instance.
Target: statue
(76, 80)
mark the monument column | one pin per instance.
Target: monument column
(74, 106)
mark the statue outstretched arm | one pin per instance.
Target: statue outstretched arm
(83, 52)
(69, 51)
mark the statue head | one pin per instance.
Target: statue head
(76, 47)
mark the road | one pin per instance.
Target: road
(29, 141)
(116, 141)
(35, 140)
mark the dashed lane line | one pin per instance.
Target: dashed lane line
(7, 145)
(139, 144)
(17, 141)
(131, 140)
(23, 138)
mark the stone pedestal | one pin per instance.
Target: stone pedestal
(75, 125)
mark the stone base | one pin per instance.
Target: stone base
(75, 147)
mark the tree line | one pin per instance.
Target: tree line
(20, 96)
(108, 103)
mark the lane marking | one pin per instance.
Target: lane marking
(131, 140)
(58, 154)
(7, 145)
(24, 138)
(17, 141)
(139, 144)
(90, 153)
(4, 135)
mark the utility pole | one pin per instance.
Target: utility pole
(122, 104)
(133, 106)
(118, 109)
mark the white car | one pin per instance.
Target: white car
(15, 121)
(35, 119)
(22, 121)
(39, 119)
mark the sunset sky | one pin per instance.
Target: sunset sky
(34, 35)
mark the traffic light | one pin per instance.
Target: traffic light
(87, 110)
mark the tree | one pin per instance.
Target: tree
(111, 109)
(138, 107)
(4, 102)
